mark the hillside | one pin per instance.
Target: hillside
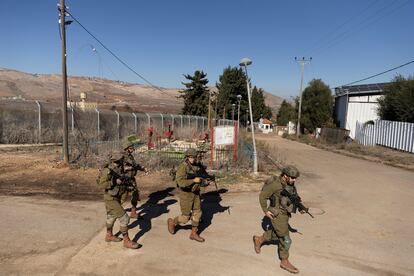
(137, 97)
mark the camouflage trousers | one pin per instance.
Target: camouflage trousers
(190, 205)
(280, 232)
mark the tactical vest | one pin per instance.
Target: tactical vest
(279, 202)
(111, 187)
(191, 171)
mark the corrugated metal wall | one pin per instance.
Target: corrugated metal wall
(396, 135)
(360, 109)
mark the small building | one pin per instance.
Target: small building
(265, 126)
(357, 103)
(83, 104)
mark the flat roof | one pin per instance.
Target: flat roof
(374, 88)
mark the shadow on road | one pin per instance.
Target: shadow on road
(151, 209)
(210, 205)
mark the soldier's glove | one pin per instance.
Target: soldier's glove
(195, 188)
(204, 183)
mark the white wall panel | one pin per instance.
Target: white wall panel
(360, 112)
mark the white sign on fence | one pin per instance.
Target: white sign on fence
(223, 135)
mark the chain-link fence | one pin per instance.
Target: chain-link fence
(35, 122)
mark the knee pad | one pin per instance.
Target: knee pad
(124, 220)
(287, 242)
(196, 216)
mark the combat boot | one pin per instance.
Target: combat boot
(194, 235)
(171, 226)
(286, 265)
(258, 241)
(133, 213)
(128, 243)
(110, 237)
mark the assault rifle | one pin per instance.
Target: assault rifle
(126, 180)
(206, 179)
(297, 202)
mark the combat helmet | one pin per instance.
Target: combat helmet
(191, 152)
(116, 157)
(130, 141)
(291, 171)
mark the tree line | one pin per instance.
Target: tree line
(396, 104)
(224, 98)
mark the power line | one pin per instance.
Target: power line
(381, 13)
(326, 38)
(116, 57)
(373, 76)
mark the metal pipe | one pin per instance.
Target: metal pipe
(39, 135)
(117, 122)
(255, 165)
(149, 120)
(135, 123)
(98, 127)
(162, 122)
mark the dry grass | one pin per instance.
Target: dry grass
(379, 154)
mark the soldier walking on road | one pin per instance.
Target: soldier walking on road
(284, 200)
(190, 204)
(113, 180)
(131, 168)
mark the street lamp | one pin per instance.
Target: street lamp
(239, 97)
(232, 112)
(244, 63)
(302, 68)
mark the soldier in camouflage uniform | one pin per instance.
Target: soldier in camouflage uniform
(190, 203)
(278, 212)
(112, 180)
(131, 168)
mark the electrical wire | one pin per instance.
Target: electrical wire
(376, 75)
(116, 57)
(383, 13)
(326, 38)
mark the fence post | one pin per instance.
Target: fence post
(196, 117)
(203, 123)
(149, 120)
(181, 116)
(172, 121)
(117, 122)
(162, 123)
(135, 122)
(39, 136)
(189, 121)
(98, 127)
(73, 119)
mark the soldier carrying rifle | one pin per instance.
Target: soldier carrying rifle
(284, 200)
(189, 181)
(115, 183)
(131, 168)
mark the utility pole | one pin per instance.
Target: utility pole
(209, 111)
(302, 63)
(62, 9)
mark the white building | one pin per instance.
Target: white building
(265, 126)
(357, 103)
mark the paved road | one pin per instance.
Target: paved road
(363, 226)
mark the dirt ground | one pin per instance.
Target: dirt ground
(363, 222)
(28, 173)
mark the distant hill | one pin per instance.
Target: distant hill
(107, 93)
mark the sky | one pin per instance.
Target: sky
(162, 40)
